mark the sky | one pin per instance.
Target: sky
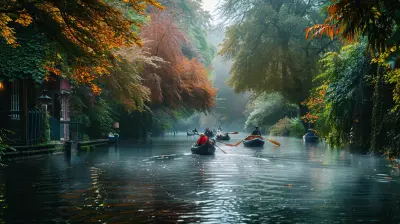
(210, 5)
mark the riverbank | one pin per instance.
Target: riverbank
(50, 148)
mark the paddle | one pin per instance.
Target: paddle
(235, 145)
(274, 142)
(221, 149)
(225, 144)
(233, 133)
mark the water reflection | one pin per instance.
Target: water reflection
(163, 182)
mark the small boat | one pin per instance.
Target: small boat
(254, 141)
(206, 149)
(190, 133)
(113, 137)
(223, 137)
(310, 137)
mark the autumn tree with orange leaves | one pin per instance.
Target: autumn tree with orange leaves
(85, 32)
(180, 82)
(134, 63)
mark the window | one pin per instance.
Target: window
(62, 108)
(15, 101)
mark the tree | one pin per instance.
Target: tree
(341, 106)
(124, 85)
(181, 82)
(268, 49)
(377, 20)
(85, 31)
(195, 22)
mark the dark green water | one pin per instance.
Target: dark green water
(164, 183)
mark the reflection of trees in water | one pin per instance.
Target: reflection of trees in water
(147, 192)
(31, 191)
(3, 202)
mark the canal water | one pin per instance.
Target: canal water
(162, 182)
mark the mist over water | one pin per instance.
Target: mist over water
(161, 181)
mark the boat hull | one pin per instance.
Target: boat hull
(256, 142)
(223, 137)
(206, 149)
(191, 134)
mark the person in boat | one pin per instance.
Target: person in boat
(256, 132)
(194, 130)
(219, 128)
(310, 132)
(208, 133)
(202, 140)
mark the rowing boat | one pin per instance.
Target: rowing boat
(310, 137)
(205, 149)
(223, 137)
(254, 141)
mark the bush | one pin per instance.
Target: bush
(267, 109)
(288, 127)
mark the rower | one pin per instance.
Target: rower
(208, 133)
(256, 132)
(202, 140)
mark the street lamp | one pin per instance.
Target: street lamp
(44, 99)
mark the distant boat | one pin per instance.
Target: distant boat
(254, 141)
(310, 137)
(190, 133)
(223, 137)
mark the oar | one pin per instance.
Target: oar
(233, 133)
(221, 149)
(274, 142)
(235, 145)
(225, 143)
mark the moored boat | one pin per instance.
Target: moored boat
(113, 137)
(310, 137)
(254, 141)
(206, 149)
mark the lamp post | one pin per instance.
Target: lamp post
(44, 99)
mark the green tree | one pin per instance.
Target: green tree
(267, 45)
(341, 106)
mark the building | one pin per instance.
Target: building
(23, 114)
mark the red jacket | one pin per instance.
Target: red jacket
(202, 140)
